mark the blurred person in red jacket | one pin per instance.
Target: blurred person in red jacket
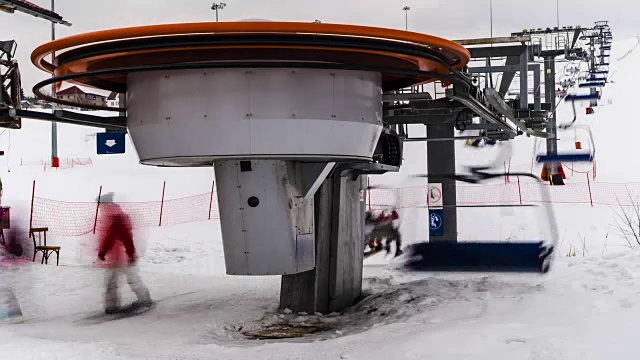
(10, 262)
(118, 253)
(385, 227)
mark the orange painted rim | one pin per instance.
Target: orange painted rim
(409, 49)
(38, 55)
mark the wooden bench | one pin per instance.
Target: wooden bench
(39, 237)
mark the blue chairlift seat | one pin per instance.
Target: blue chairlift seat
(581, 97)
(592, 84)
(600, 72)
(606, 48)
(568, 157)
(520, 257)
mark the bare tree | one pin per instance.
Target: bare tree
(627, 220)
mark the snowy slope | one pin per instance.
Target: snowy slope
(584, 309)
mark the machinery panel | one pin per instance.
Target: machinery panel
(267, 226)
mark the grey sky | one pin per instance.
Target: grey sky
(447, 18)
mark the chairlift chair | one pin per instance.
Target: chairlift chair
(490, 256)
(579, 97)
(578, 156)
(520, 257)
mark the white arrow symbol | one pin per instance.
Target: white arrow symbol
(110, 143)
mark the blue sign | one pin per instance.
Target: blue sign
(436, 222)
(110, 143)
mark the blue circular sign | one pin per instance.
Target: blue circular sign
(435, 221)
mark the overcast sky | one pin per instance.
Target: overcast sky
(454, 19)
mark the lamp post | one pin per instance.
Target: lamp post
(406, 17)
(55, 162)
(491, 16)
(216, 7)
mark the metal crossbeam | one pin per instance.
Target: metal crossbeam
(498, 51)
(495, 40)
(493, 69)
(445, 139)
(30, 9)
(65, 116)
(406, 97)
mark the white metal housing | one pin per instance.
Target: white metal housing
(193, 117)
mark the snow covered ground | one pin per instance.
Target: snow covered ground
(584, 309)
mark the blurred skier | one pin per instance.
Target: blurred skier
(480, 142)
(374, 244)
(118, 252)
(385, 227)
(9, 261)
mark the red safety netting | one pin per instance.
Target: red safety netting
(514, 192)
(65, 163)
(63, 218)
(79, 218)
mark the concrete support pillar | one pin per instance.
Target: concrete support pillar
(441, 160)
(336, 281)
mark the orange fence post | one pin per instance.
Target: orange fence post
(213, 183)
(369, 191)
(505, 171)
(519, 190)
(164, 185)
(95, 222)
(33, 195)
(589, 185)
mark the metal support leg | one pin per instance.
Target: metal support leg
(550, 98)
(537, 90)
(594, 102)
(524, 79)
(441, 159)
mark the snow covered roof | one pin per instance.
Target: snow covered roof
(73, 90)
(70, 91)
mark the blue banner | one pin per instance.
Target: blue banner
(436, 222)
(110, 143)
